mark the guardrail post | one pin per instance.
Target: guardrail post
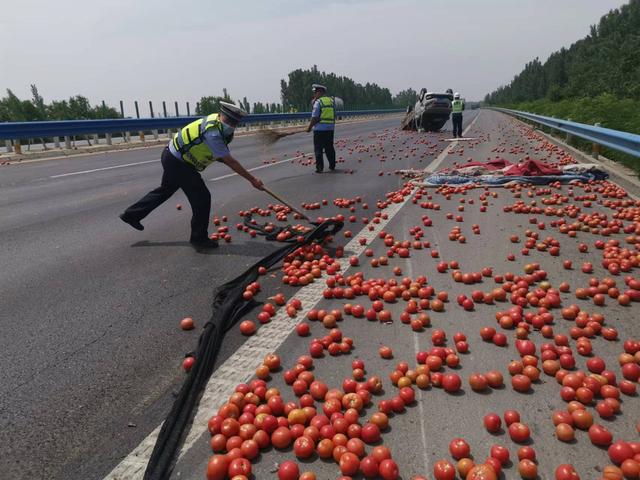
(7, 146)
(67, 142)
(127, 137)
(595, 148)
(108, 138)
(122, 108)
(569, 137)
(17, 147)
(56, 142)
(177, 112)
(164, 108)
(188, 110)
(96, 138)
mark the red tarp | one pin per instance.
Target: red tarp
(496, 164)
(532, 168)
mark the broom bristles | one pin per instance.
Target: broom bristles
(269, 136)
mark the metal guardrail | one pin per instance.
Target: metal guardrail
(50, 129)
(622, 141)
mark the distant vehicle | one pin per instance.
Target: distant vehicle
(430, 112)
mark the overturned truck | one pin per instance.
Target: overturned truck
(430, 112)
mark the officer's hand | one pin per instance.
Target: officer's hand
(257, 183)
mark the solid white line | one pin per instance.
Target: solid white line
(151, 161)
(240, 367)
(436, 163)
(260, 167)
(103, 168)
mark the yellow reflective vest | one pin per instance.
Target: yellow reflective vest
(327, 110)
(189, 141)
(457, 106)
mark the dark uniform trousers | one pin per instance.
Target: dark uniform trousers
(456, 119)
(323, 142)
(177, 174)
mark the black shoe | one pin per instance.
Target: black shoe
(318, 171)
(332, 169)
(134, 223)
(204, 243)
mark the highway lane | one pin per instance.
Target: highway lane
(90, 347)
(420, 436)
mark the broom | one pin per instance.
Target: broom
(269, 136)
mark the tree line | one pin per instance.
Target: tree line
(296, 91)
(605, 61)
(295, 96)
(13, 109)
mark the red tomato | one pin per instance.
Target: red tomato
(369, 467)
(444, 470)
(500, 453)
(380, 453)
(217, 467)
(240, 466)
(526, 453)
(187, 323)
(288, 470)
(527, 469)
(247, 327)
(519, 432)
(451, 382)
(566, 472)
(349, 463)
(281, 438)
(620, 451)
(492, 422)
(389, 469)
(370, 433)
(303, 446)
(511, 416)
(599, 435)
(459, 448)
(481, 472)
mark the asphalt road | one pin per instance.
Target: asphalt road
(91, 348)
(420, 436)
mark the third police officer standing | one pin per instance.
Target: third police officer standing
(323, 121)
(457, 106)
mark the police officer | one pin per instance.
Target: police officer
(190, 151)
(457, 106)
(323, 121)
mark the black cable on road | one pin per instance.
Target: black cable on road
(228, 307)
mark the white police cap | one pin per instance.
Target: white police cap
(317, 86)
(232, 111)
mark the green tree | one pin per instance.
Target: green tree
(405, 97)
(296, 92)
(605, 61)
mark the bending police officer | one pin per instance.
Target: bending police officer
(191, 150)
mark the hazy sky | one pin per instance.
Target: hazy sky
(181, 50)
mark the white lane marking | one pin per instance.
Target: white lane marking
(103, 168)
(421, 395)
(157, 160)
(240, 367)
(229, 175)
(447, 150)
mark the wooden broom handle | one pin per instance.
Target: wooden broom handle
(281, 200)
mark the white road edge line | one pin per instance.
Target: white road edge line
(103, 168)
(436, 163)
(260, 167)
(157, 160)
(240, 367)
